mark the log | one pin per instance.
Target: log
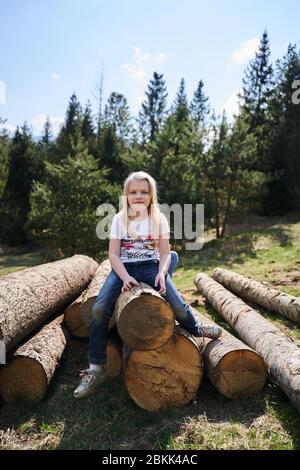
(114, 357)
(254, 291)
(166, 377)
(145, 321)
(26, 378)
(29, 297)
(233, 368)
(280, 354)
(76, 316)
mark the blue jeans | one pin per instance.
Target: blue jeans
(142, 271)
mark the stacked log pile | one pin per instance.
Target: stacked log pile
(281, 355)
(76, 316)
(163, 366)
(254, 291)
(28, 299)
(234, 369)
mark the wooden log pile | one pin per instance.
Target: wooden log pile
(162, 363)
(31, 328)
(271, 299)
(163, 366)
(280, 354)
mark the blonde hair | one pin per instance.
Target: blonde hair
(153, 206)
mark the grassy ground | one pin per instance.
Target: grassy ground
(267, 249)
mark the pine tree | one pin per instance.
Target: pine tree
(255, 98)
(4, 155)
(47, 136)
(230, 182)
(180, 106)
(284, 191)
(87, 128)
(21, 172)
(199, 107)
(71, 131)
(117, 116)
(153, 111)
(63, 208)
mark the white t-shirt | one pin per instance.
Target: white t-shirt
(141, 246)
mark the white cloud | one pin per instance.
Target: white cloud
(39, 120)
(161, 57)
(231, 106)
(135, 71)
(55, 76)
(246, 51)
(7, 127)
(142, 64)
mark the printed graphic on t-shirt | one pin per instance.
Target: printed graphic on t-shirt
(137, 248)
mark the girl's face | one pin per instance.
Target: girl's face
(139, 197)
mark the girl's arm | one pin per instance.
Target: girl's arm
(164, 254)
(165, 259)
(118, 266)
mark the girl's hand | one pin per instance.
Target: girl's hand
(161, 279)
(127, 281)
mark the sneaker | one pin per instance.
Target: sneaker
(210, 331)
(89, 382)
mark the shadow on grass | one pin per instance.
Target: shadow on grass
(111, 420)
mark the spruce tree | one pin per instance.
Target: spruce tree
(153, 111)
(71, 130)
(63, 208)
(21, 172)
(180, 107)
(87, 128)
(199, 107)
(284, 187)
(255, 98)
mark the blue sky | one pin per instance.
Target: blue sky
(50, 48)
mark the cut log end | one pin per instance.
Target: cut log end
(24, 380)
(75, 323)
(149, 327)
(167, 377)
(240, 374)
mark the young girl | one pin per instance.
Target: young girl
(139, 250)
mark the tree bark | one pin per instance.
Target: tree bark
(166, 377)
(254, 291)
(76, 316)
(29, 297)
(26, 378)
(280, 354)
(144, 319)
(233, 368)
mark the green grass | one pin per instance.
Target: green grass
(266, 249)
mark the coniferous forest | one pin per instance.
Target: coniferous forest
(50, 188)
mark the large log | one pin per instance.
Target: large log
(114, 357)
(166, 377)
(26, 378)
(76, 316)
(254, 291)
(280, 354)
(144, 319)
(29, 297)
(233, 368)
